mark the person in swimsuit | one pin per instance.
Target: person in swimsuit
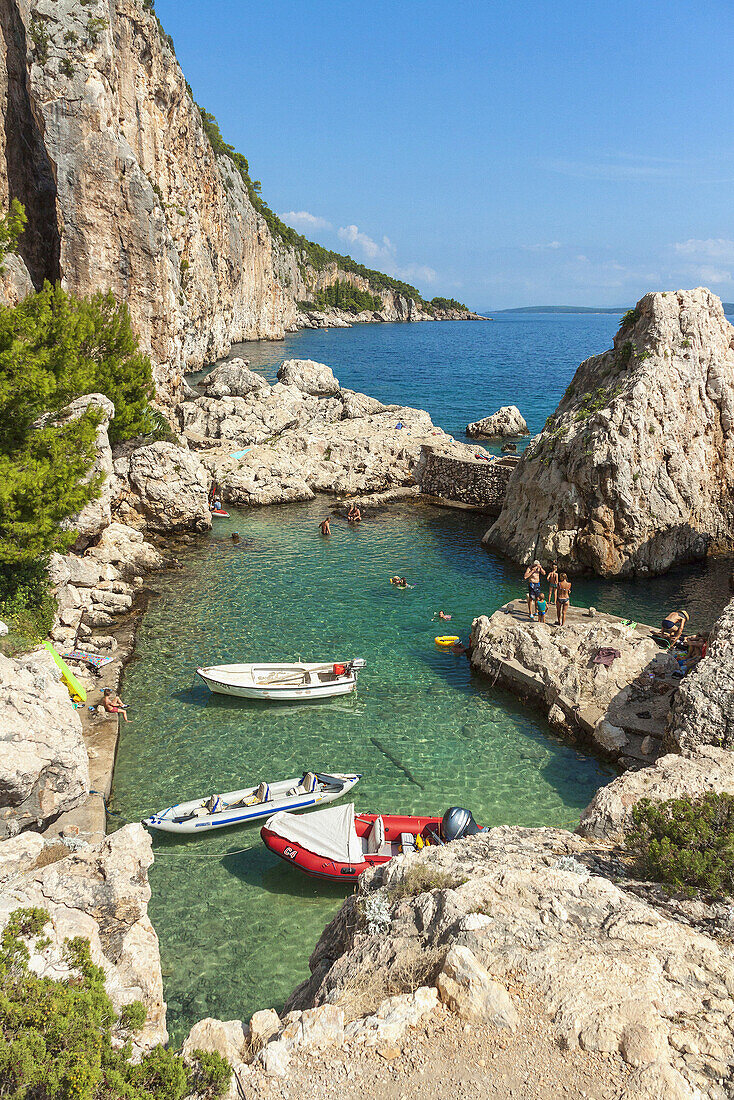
(553, 583)
(532, 576)
(672, 626)
(563, 599)
(542, 607)
(354, 515)
(324, 526)
(113, 704)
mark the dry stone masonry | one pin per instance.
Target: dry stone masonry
(465, 482)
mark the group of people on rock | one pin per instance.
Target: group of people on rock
(559, 592)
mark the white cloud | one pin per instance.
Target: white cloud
(714, 248)
(370, 248)
(301, 219)
(415, 272)
(621, 166)
(551, 246)
(707, 274)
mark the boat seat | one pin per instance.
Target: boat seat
(262, 794)
(376, 839)
(309, 783)
(407, 841)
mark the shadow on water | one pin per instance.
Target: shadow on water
(261, 869)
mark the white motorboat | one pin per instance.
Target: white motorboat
(252, 803)
(283, 683)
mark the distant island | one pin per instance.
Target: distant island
(564, 309)
(728, 309)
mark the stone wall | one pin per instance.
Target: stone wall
(465, 482)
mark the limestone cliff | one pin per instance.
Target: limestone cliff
(103, 143)
(633, 472)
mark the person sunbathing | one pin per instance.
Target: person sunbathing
(113, 704)
(673, 625)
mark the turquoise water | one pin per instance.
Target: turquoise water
(236, 926)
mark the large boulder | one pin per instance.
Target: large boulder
(634, 471)
(232, 379)
(95, 515)
(44, 767)
(690, 774)
(703, 711)
(166, 488)
(309, 376)
(100, 893)
(504, 424)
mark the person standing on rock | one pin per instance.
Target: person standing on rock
(532, 576)
(563, 599)
(552, 583)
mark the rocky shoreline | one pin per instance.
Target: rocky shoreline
(518, 932)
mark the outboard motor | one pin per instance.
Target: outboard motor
(457, 823)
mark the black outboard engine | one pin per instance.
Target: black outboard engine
(457, 823)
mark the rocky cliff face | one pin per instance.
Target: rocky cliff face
(104, 145)
(633, 472)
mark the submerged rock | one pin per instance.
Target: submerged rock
(634, 471)
(505, 423)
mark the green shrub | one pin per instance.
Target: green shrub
(67, 67)
(40, 38)
(448, 303)
(12, 225)
(54, 348)
(342, 295)
(133, 1016)
(631, 317)
(56, 1037)
(687, 844)
(624, 355)
(95, 25)
(27, 606)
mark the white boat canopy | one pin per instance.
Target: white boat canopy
(330, 833)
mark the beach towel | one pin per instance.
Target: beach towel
(606, 656)
(93, 659)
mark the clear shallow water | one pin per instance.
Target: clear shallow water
(236, 926)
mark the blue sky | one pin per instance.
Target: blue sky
(542, 152)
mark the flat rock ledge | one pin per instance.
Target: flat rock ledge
(620, 711)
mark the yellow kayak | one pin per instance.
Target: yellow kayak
(75, 688)
(446, 640)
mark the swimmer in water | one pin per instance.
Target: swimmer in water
(399, 582)
(443, 616)
(324, 527)
(354, 515)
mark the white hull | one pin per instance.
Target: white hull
(279, 683)
(190, 817)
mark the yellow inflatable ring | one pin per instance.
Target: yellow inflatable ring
(446, 640)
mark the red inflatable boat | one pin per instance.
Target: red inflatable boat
(338, 844)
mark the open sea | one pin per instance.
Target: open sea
(236, 925)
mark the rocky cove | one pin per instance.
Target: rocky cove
(526, 959)
(647, 1050)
